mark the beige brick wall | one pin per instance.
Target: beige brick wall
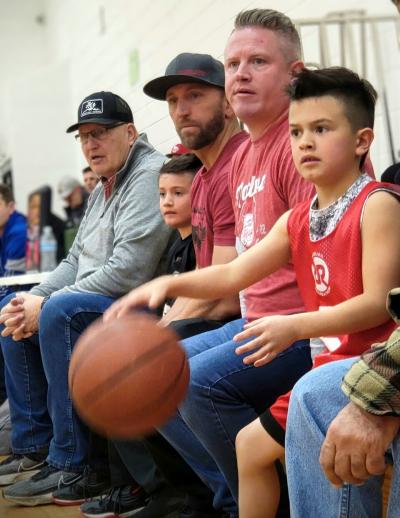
(84, 46)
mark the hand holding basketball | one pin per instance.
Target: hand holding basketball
(151, 295)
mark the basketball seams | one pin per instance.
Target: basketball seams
(122, 373)
(82, 353)
(168, 390)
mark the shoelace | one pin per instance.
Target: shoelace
(109, 498)
(114, 497)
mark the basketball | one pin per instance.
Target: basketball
(128, 376)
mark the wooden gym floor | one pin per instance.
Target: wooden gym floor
(9, 510)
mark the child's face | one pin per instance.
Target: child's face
(324, 145)
(175, 199)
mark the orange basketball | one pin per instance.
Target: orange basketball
(128, 376)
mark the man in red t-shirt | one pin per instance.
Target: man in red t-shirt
(193, 86)
(226, 393)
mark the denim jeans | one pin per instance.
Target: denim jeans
(225, 395)
(315, 401)
(36, 369)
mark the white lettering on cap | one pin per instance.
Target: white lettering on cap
(92, 106)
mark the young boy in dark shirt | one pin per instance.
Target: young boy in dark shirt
(176, 177)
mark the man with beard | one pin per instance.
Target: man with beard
(193, 86)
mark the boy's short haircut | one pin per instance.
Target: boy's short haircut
(276, 22)
(357, 95)
(87, 169)
(187, 163)
(6, 193)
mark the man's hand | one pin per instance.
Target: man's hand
(150, 295)
(12, 315)
(272, 335)
(355, 445)
(21, 316)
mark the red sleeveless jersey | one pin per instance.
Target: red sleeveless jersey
(329, 271)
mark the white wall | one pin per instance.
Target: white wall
(82, 47)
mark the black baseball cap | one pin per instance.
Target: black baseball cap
(187, 68)
(102, 108)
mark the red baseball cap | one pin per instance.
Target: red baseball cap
(178, 149)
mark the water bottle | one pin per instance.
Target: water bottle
(48, 250)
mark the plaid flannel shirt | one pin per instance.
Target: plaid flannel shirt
(373, 382)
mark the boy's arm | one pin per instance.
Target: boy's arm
(380, 271)
(211, 309)
(214, 282)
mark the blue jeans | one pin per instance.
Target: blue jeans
(315, 402)
(224, 396)
(37, 380)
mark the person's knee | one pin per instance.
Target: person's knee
(5, 300)
(245, 447)
(256, 450)
(53, 308)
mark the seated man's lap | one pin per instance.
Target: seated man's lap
(224, 374)
(73, 303)
(204, 341)
(323, 385)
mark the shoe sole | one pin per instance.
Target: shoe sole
(6, 480)
(68, 503)
(63, 502)
(30, 501)
(112, 515)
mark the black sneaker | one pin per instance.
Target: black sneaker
(92, 484)
(165, 503)
(188, 512)
(120, 502)
(18, 467)
(39, 489)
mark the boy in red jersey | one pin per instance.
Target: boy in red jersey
(341, 245)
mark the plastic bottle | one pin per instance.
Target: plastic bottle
(48, 250)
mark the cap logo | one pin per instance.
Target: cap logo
(192, 72)
(91, 107)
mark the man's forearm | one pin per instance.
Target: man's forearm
(190, 308)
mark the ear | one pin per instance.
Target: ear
(229, 114)
(132, 133)
(296, 67)
(364, 139)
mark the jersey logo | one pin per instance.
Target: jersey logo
(320, 272)
(250, 189)
(247, 235)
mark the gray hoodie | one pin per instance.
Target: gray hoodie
(121, 241)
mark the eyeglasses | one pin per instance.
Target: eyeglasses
(96, 134)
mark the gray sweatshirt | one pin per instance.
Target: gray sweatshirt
(121, 241)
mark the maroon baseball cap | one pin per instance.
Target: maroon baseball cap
(187, 68)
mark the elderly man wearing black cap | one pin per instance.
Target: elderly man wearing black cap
(119, 245)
